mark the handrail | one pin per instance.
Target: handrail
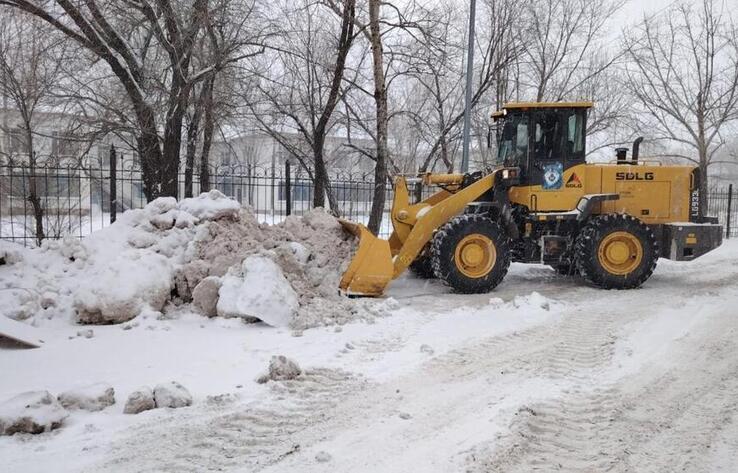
(640, 162)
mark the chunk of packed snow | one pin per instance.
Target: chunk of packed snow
(95, 397)
(534, 299)
(298, 251)
(140, 400)
(164, 221)
(172, 395)
(211, 206)
(258, 290)
(31, 412)
(205, 296)
(162, 205)
(187, 277)
(281, 368)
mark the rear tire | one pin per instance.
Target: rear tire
(471, 254)
(616, 252)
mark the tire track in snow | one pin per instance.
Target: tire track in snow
(667, 423)
(227, 435)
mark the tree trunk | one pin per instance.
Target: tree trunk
(208, 129)
(702, 148)
(33, 198)
(322, 181)
(380, 98)
(173, 140)
(703, 202)
(319, 184)
(193, 131)
(150, 154)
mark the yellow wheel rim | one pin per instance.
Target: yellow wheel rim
(475, 255)
(620, 253)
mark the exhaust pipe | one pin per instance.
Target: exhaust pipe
(636, 149)
(622, 155)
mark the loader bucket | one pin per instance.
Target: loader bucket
(371, 269)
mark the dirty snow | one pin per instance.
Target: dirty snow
(93, 397)
(151, 261)
(31, 412)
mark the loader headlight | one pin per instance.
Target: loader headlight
(509, 173)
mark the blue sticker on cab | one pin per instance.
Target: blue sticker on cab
(553, 176)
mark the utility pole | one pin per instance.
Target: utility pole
(468, 91)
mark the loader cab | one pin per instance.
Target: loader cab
(543, 139)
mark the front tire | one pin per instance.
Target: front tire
(422, 267)
(616, 252)
(471, 254)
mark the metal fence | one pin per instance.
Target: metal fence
(722, 204)
(81, 196)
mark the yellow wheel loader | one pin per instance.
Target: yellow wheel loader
(541, 203)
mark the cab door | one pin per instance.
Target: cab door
(555, 174)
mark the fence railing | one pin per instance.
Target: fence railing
(80, 197)
(722, 204)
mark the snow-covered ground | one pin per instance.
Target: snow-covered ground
(542, 374)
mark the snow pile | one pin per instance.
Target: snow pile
(113, 275)
(31, 412)
(205, 253)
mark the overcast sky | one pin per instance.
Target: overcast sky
(634, 10)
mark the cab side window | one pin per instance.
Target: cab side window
(574, 143)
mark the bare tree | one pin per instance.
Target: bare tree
(684, 75)
(122, 33)
(28, 74)
(235, 31)
(301, 84)
(442, 73)
(380, 99)
(560, 38)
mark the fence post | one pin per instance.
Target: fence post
(288, 186)
(730, 205)
(113, 184)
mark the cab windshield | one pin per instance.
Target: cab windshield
(512, 141)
